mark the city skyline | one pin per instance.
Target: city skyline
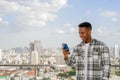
(54, 22)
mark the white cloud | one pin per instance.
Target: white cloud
(32, 13)
(101, 32)
(0, 19)
(109, 14)
(59, 3)
(69, 28)
(109, 36)
(72, 30)
(66, 29)
(114, 19)
(60, 31)
(67, 25)
(104, 32)
(3, 22)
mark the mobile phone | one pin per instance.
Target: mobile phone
(65, 46)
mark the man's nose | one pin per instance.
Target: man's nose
(83, 35)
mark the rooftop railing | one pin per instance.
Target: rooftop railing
(114, 68)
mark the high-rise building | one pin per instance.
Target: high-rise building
(34, 58)
(31, 47)
(1, 55)
(60, 62)
(112, 54)
(36, 46)
(60, 59)
(116, 51)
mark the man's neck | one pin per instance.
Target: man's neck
(89, 40)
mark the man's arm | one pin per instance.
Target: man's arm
(69, 58)
(106, 62)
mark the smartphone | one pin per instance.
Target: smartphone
(65, 46)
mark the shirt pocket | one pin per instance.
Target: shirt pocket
(96, 54)
(96, 60)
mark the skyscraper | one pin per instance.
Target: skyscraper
(0, 55)
(60, 59)
(34, 58)
(36, 46)
(116, 51)
(31, 47)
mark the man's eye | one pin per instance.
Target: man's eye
(82, 33)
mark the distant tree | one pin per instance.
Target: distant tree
(67, 74)
(62, 75)
(117, 73)
(46, 78)
(72, 72)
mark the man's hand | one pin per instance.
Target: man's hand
(65, 53)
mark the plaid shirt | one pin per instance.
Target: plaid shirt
(98, 67)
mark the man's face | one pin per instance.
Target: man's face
(84, 33)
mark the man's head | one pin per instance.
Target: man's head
(85, 29)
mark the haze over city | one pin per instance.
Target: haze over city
(55, 21)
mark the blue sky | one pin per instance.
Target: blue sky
(55, 21)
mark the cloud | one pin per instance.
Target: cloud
(3, 23)
(109, 36)
(67, 25)
(104, 32)
(99, 30)
(31, 13)
(72, 30)
(66, 29)
(59, 3)
(114, 19)
(110, 14)
(60, 31)
(69, 28)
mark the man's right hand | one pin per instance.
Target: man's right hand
(65, 53)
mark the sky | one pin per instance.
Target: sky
(54, 22)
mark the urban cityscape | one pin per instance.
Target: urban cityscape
(38, 63)
(32, 31)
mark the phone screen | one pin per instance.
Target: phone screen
(65, 46)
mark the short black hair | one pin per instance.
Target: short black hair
(85, 24)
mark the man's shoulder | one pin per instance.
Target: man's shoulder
(95, 41)
(98, 42)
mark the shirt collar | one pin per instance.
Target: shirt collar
(83, 43)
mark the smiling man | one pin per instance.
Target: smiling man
(90, 58)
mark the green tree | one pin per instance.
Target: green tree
(117, 73)
(46, 78)
(67, 74)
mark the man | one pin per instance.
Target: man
(90, 58)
